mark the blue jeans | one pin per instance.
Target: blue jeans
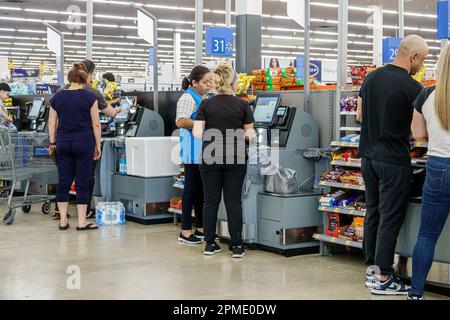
(435, 210)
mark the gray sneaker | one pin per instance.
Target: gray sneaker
(371, 281)
(391, 287)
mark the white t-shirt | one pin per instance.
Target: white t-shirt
(438, 138)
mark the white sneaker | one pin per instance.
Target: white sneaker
(371, 281)
(391, 287)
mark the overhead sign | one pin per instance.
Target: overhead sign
(296, 11)
(443, 22)
(22, 73)
(54, 41)
(390, 49)
(219, 41)
(145, 27)
(315, 68)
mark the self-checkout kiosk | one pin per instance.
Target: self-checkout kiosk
(147, 188)
(281, 222)
(38, 114)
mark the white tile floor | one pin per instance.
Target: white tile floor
(147, 262)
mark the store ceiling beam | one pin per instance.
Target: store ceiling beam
(89, 28)
(198, 31)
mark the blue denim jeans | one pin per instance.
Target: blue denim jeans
(435, 210)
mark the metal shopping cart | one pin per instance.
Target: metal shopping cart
(23, 155)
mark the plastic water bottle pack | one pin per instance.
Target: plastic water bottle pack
(110, 213)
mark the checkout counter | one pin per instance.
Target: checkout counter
(145, 195)
(284, 223)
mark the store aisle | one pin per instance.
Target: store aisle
(146, 262)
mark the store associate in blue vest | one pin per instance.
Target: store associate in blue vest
(196, 86)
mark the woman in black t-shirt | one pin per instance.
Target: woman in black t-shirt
(223, 122)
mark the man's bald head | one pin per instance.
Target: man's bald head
(413, 44)
(412, 53)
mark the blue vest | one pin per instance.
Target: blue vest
(190, 147)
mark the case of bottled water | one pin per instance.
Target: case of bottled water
(110, 213)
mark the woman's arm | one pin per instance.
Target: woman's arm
(198, 129)
(185, 123)
(111, 111)
(359, 110)
(249, 132)
(52, 125)
(419, 127)
(96, 127)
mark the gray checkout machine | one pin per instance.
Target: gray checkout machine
(146, 200)
(284, 223)
(38, 114)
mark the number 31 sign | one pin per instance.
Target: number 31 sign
(219, 41)
(390, 49)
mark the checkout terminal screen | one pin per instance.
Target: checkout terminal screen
(265, 108)
(35, 108)
(125, 103)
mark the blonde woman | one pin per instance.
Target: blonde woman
(431, 122)
(222, 123)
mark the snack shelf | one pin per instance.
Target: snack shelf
(179, 186)
(351, 129)
(342, 185)
(419, 144)
(173, 210)
(348, 243)
(353, 164)
(344, 144)
(350, 212)
(349, 113)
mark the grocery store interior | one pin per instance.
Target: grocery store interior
(302, 221)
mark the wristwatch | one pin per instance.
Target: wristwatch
(53, 143)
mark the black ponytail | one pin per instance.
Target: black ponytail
(185, 84)
(196, 74)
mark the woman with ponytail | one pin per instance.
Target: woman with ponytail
(227, 120)
(196, 86)
(75, 134)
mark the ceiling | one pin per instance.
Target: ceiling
(117, 48)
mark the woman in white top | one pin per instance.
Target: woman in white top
(432, 122)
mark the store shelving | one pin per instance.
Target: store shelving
(342, 185)
(349, 113)
(357, 129)
(344, 144)
(329, 239)
(352, 164)
(350, 212)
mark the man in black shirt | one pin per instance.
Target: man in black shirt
(385, 108)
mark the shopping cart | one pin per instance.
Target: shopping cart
(23, 155)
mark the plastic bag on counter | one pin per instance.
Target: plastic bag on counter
(110, 213)
(284, 181)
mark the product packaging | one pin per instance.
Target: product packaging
(110, 213)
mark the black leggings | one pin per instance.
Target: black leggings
(230, 179)
(192, 197)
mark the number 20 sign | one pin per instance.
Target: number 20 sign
(219, 41)
(390, 49)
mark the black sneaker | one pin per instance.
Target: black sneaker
(189, 240)
(199, 234)
(391, 287)
(90, 214)
(413, 297)
(212, 249)
(238, 251)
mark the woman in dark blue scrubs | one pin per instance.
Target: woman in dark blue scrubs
(75, 134)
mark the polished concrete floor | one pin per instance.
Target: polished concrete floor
(37, 261)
